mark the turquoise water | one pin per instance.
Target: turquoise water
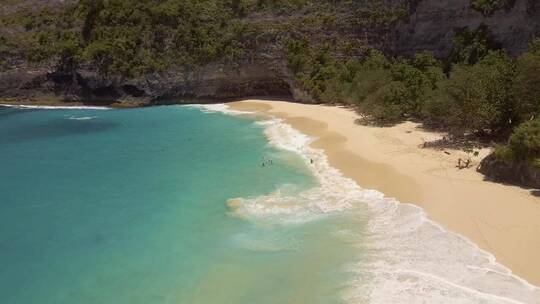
(129, 206)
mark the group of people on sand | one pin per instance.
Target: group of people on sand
(463, 163)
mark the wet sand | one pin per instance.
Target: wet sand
(502, 219)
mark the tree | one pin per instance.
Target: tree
(527, 82)
(476, 98)
(430, 66)
(525, 141)
(414, 85)
(470, 46)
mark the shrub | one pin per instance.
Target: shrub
(488, 7)
(388, 103)
(475, 98)
(129, 37)
(525, 141)
(470, 46)
(527, 82)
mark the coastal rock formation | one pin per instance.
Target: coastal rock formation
(262, 70)
(518, 173)
(207, 83)
(432, 23)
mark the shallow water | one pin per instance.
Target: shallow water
(172, 205)
(129, 206)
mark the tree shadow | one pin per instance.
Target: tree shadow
(365, 120)
(532, 190)
(448, 142)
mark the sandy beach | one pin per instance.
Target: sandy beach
(501, 219)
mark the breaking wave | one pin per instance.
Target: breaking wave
(218, 107)
(406, 257)
(82, 118)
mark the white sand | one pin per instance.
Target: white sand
(504, 220)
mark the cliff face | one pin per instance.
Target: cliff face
(262, 70)
(207, 83)
(432, 23)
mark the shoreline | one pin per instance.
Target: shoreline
(48, 102)
(54, 107)
(500, 219)
(65, 105)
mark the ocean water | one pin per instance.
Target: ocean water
(173, 205)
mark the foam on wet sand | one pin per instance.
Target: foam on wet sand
(412, 255)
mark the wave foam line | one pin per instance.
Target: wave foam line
(82, 118)
(55, 107)
(217, 107)
(465, 288)
(410, 258)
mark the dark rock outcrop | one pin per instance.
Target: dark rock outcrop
(210, 82)
(518, 173)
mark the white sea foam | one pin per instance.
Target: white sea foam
(218, 107)
(410, 259)
(82, 118)
(55, 107)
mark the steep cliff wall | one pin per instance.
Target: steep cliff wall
(262, 69)
(210, 82)
(258, 67)
(432, 23)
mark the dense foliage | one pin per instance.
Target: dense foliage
(523, 145)
(484, 92)
(476, 98)
(469, 46)
(129, 38)
(478, 89)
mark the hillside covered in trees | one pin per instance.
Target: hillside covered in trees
(471, 67)
(119, 49)
(150, 50)
(476, 94)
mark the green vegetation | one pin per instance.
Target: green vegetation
(477, 90)
(130, 38)
(469, 46)
(387, 89)
(475, 98)
(523, 145)
(484, 92)
(488, 7)
(526, 85)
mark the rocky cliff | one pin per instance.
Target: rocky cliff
(262, 69)
(431, 25)
(206, 83)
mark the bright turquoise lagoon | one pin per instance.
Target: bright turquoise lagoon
(129, 206)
